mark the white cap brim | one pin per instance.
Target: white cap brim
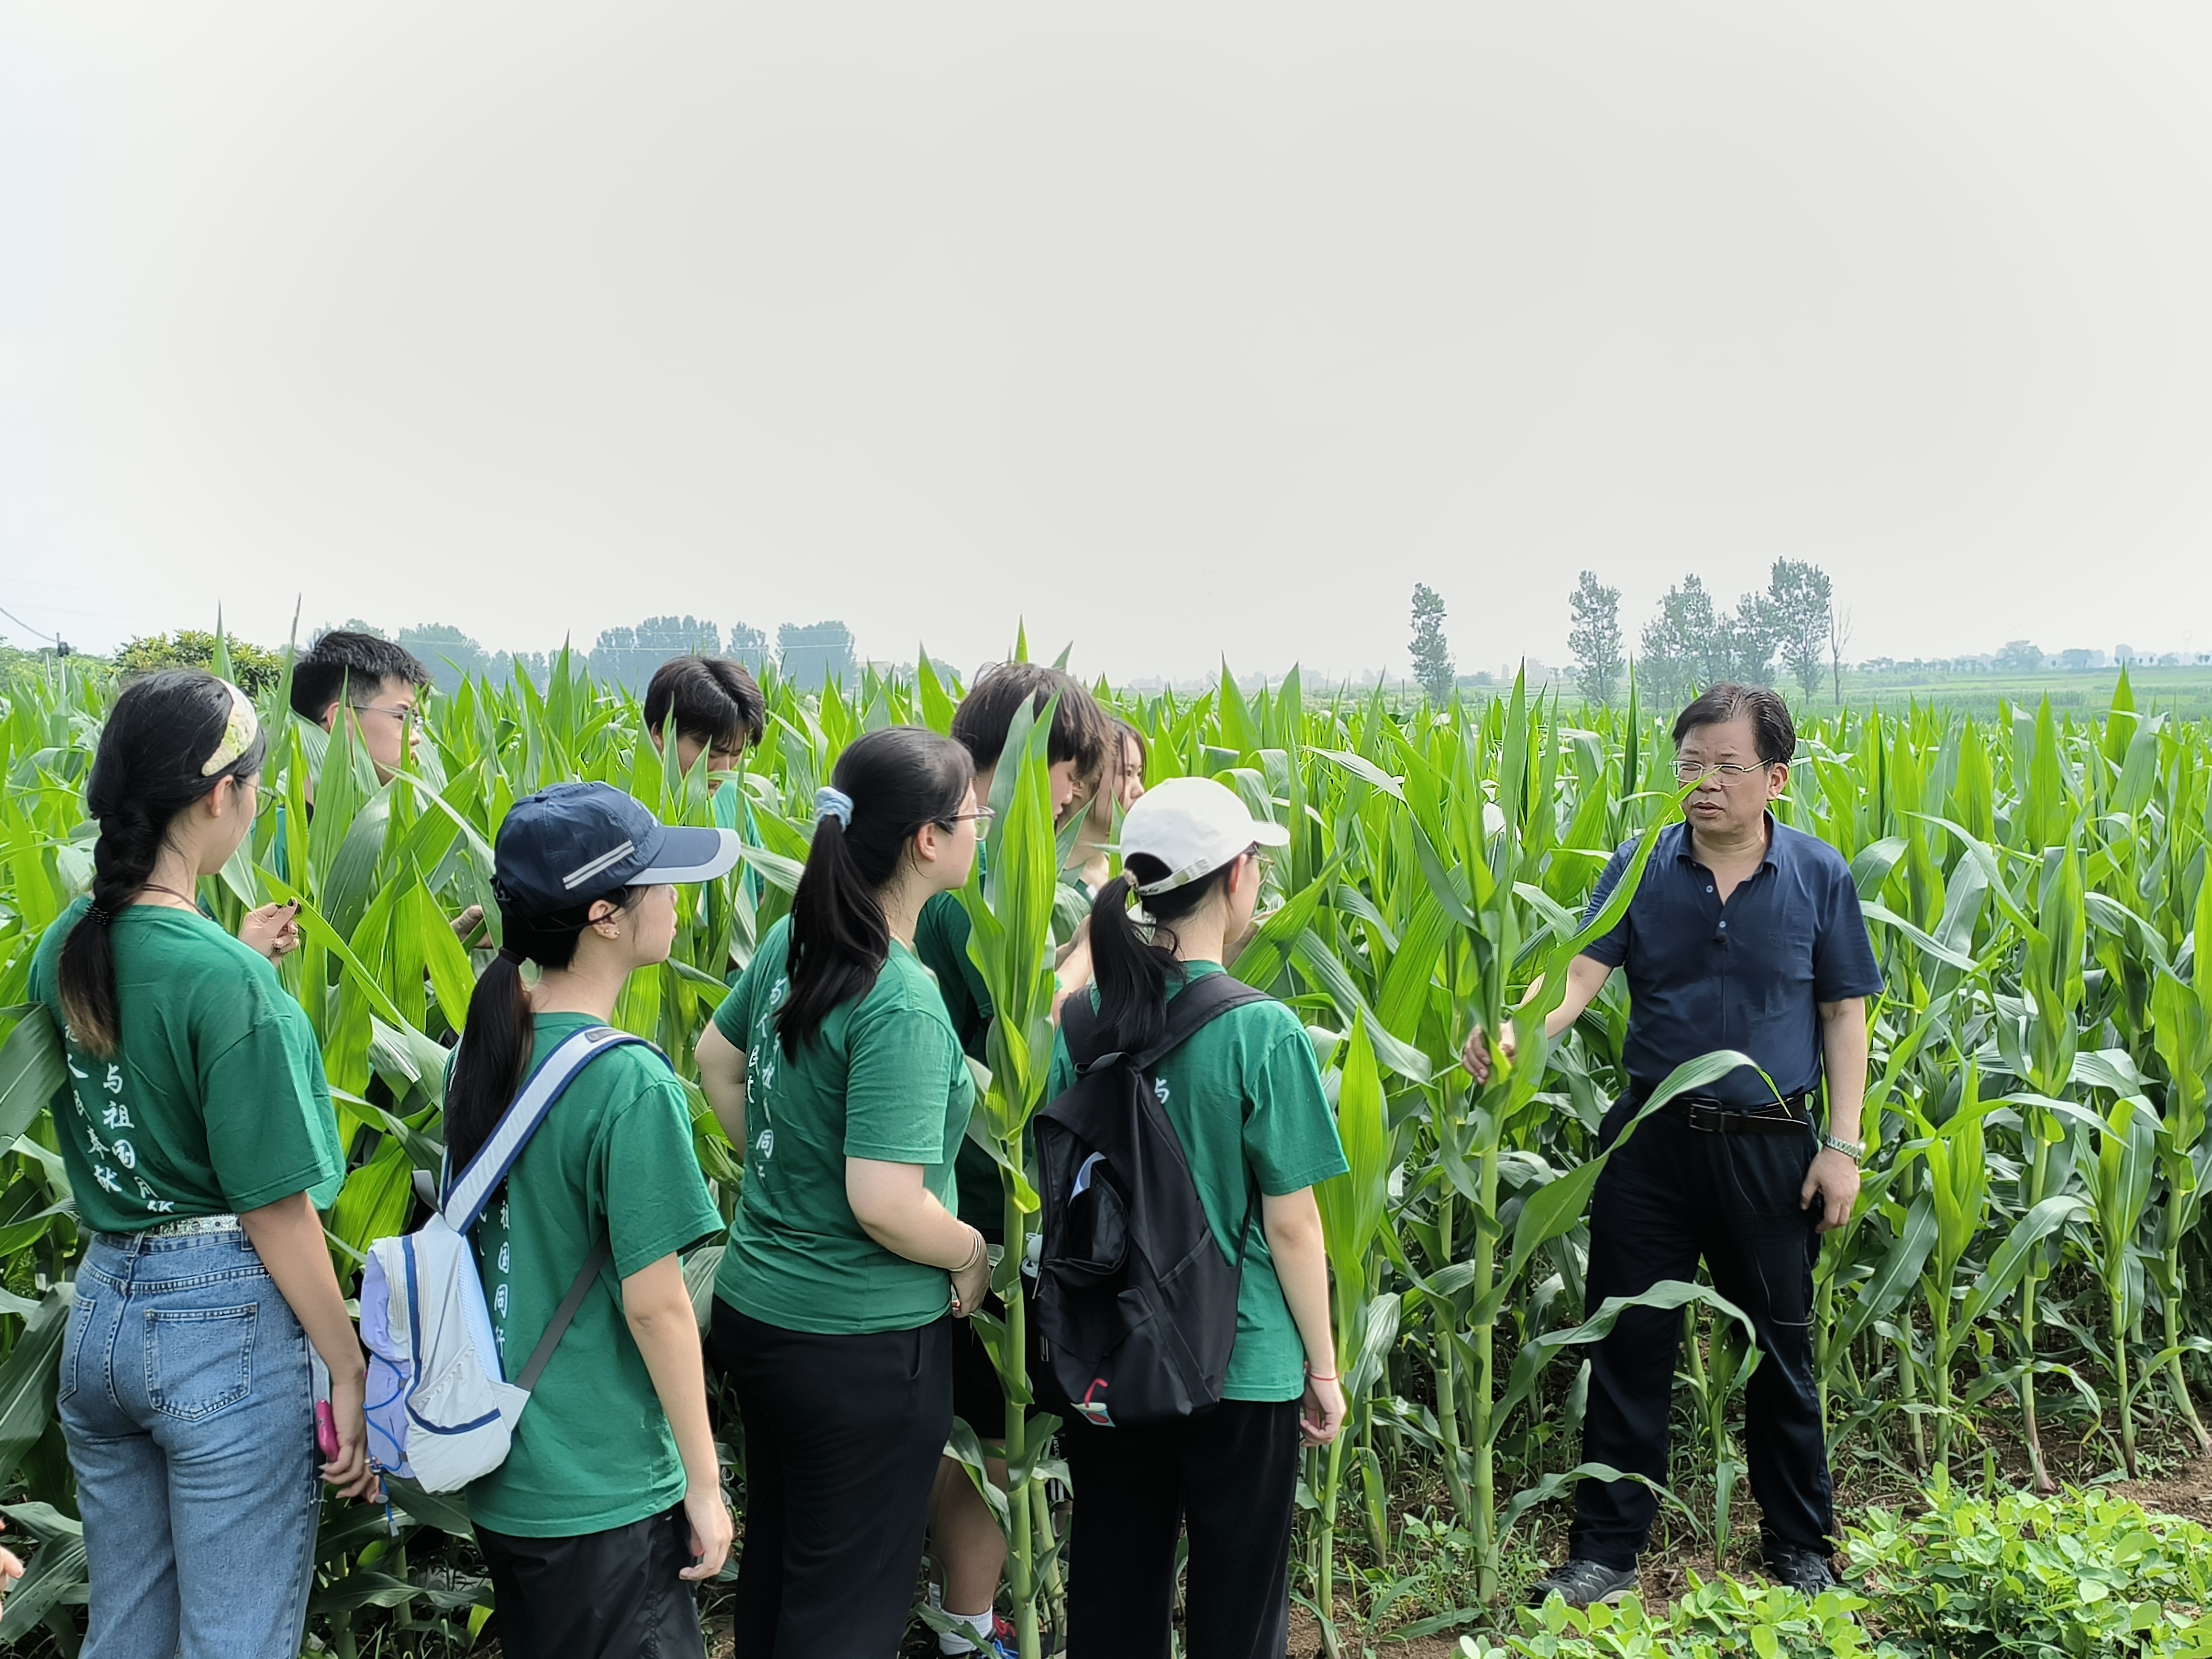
(689, 853)
(1264, 832)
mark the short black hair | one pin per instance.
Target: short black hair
(713, 700)
(1078, 725)
(340, 658)
(1771, 727)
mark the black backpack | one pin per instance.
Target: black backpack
(1135, 1305)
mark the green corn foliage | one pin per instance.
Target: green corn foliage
(2029, 1238)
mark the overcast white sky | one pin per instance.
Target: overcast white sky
(1179, 330)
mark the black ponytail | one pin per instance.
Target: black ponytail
(898, 778)
(1134, 973)
(493, 1057)
(162, 729)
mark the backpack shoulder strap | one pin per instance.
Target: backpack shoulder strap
(602, 1253)
(472, 1190)
(1200, 1002)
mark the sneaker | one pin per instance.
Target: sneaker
(1003, 1641)
(1804, 1570)
(1580, 1582)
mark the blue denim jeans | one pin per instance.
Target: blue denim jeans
(186, 1399)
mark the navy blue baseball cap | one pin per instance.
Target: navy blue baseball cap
(564, 847)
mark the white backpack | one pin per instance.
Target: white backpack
(440, 1412)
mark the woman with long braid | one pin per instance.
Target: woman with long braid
(196, 1129)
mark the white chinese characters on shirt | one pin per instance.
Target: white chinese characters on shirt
(101, 1106)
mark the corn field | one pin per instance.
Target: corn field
(2021, 1286)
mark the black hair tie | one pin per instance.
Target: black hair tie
(509, 953)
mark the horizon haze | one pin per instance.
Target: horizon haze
(1181, 334)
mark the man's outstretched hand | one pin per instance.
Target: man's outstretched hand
(1476, 1055)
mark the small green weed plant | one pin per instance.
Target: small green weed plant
(2085, 1574)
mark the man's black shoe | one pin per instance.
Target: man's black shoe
(1580, 1582)
(1802, 1570)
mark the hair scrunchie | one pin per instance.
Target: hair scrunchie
(833, 803)
(99, 913)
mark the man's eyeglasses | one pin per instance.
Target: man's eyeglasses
(1689, 771)
(404, 714)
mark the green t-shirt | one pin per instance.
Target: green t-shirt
(614, 1157)
(883, 1078)
(1245, 1099)
(940, 939)
(733, 810)
(214, 1101)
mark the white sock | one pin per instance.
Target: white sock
(979, 1623)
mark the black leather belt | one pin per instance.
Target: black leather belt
(1791, 1117)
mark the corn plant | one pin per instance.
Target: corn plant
(1011, 908)
(2036, 1112)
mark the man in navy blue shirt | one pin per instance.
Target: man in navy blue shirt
(1743, 934)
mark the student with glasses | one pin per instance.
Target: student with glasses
(834, 1068)
(380, 683)
(1743, 934)
(378, 687)
(197, 1132)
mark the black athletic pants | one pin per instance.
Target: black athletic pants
(611, 1595)
(1229, 1476)
(842, 1437)
(1671, 1195)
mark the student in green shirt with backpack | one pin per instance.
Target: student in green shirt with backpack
(1243, 1096)
(608, 1509)
(833, 1067)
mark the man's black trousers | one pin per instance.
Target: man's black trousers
(1229, 1476)
(843, 1435)
(1668, 1197)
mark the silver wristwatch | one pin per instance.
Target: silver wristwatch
(1853, 1149)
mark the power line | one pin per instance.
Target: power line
(49, 638)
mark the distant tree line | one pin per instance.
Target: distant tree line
(2025, 657)
(1790, 631)
(809, 654)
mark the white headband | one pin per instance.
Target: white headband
(239, 732)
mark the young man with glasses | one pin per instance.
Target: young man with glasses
(382, 684)
(1743, 934)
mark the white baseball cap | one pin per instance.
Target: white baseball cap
(1194, 826)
